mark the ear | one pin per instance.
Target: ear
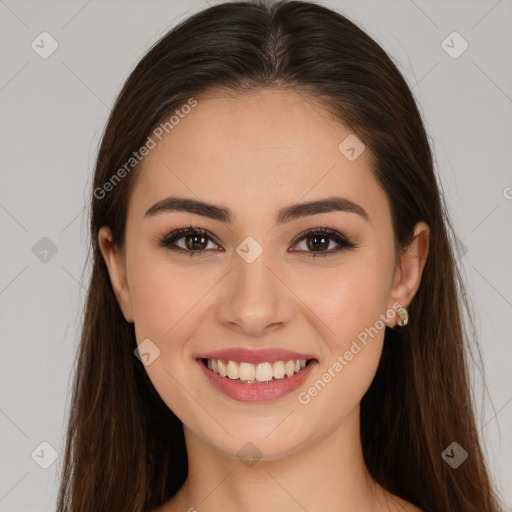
(409, 269)
(114, 260)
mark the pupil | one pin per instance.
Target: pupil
(321, 245)
(191, 244)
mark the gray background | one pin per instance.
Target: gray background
(53, 112)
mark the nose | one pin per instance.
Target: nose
(255, 298)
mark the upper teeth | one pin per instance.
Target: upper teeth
(262, 372)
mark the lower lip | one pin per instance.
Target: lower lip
(261, 392)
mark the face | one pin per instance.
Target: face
(262, 288)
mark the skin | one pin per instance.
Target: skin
(256, 153)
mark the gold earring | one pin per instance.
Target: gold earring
(403, 316)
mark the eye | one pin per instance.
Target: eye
(318, 240)
(195, 240)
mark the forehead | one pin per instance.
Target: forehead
(255, 150)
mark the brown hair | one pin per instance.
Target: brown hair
(125, 448)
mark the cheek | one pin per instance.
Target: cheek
(355, 315)
(168, 306)
(167, 311)
(347, 301)
(165, 299)
(351, 315)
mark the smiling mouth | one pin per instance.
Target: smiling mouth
(248, 373)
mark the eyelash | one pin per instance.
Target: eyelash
(343, 242)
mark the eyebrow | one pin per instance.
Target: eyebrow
(286, 214)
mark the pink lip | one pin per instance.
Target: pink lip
(254, 356)
(260, 392)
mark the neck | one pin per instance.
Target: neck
(329, 476)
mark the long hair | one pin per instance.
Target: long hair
(125, 448)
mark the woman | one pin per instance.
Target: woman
(272, 320)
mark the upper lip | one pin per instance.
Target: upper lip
(255, 356)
